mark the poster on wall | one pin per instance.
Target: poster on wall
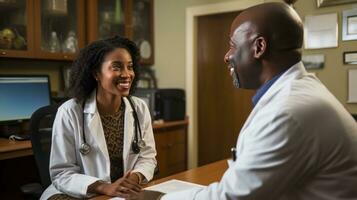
(314, 61)
(349, 25)
(352, 86)
(321, 31)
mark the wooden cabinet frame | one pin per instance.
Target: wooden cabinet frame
(29, 53)
(79, 32)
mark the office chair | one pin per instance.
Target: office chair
(41, 133)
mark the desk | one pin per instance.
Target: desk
(203, 175)
(13, 149)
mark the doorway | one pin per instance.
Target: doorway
(222, 109)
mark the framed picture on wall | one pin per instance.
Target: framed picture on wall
(314, 61)
(350, 58)
(320, 31)
(349, 25)
(352, 86)
(324, 3)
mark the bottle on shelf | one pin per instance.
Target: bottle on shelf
(70, 45)
(54, 44)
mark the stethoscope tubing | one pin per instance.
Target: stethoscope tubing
(136, 145)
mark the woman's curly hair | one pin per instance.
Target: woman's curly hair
(89, 61)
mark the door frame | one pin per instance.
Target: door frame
(192, 13)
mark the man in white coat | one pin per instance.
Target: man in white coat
(299, 142)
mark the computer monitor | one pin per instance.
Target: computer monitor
(21, 95)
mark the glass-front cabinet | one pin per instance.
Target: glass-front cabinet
(60, 26)
(16, 28)
(41, 29)
(129, 18)
(55, 29)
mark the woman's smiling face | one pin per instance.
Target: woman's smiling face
(116, 73)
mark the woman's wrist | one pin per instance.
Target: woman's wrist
(97, 187)
(137, 177)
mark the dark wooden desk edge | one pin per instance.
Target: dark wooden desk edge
(13, 149)
(168, 124)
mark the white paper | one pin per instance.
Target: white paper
(321, 31)
(174, 186)
(352, 86)
(116, 198)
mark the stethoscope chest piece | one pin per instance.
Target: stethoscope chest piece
(141, 143)
(84, 148)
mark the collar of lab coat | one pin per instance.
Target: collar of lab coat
(294, 72)
(91, 104)
(96, 128)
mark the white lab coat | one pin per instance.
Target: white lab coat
(298, 143)
(70, 171)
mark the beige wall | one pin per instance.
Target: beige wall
(29, 66)
(170, 45)
(334, 74)
(170, 30)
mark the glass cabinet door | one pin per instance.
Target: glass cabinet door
(111, 18)
(61, 28)
(129, 18)
(16, 28)
(142, 23)
(106, 18)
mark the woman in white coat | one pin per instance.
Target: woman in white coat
(102, 140)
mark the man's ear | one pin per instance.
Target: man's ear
(260, 47)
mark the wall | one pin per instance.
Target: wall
(170, 29)
(334, 74)
(30, 66)
(170, 45)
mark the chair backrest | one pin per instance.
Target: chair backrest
(41, 134)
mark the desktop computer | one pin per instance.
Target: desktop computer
(20, 96)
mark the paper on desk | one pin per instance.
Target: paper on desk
(170, 186)
(174, 186)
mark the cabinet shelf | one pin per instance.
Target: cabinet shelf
(9, 6)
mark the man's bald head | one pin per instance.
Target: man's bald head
(265, 40)
(278, 23)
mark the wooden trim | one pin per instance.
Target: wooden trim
(37, 28)
(128, 10)
(157, 126)
(92, 20)
(30, 28)
(81, 37)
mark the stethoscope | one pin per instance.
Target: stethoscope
(136, 145)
